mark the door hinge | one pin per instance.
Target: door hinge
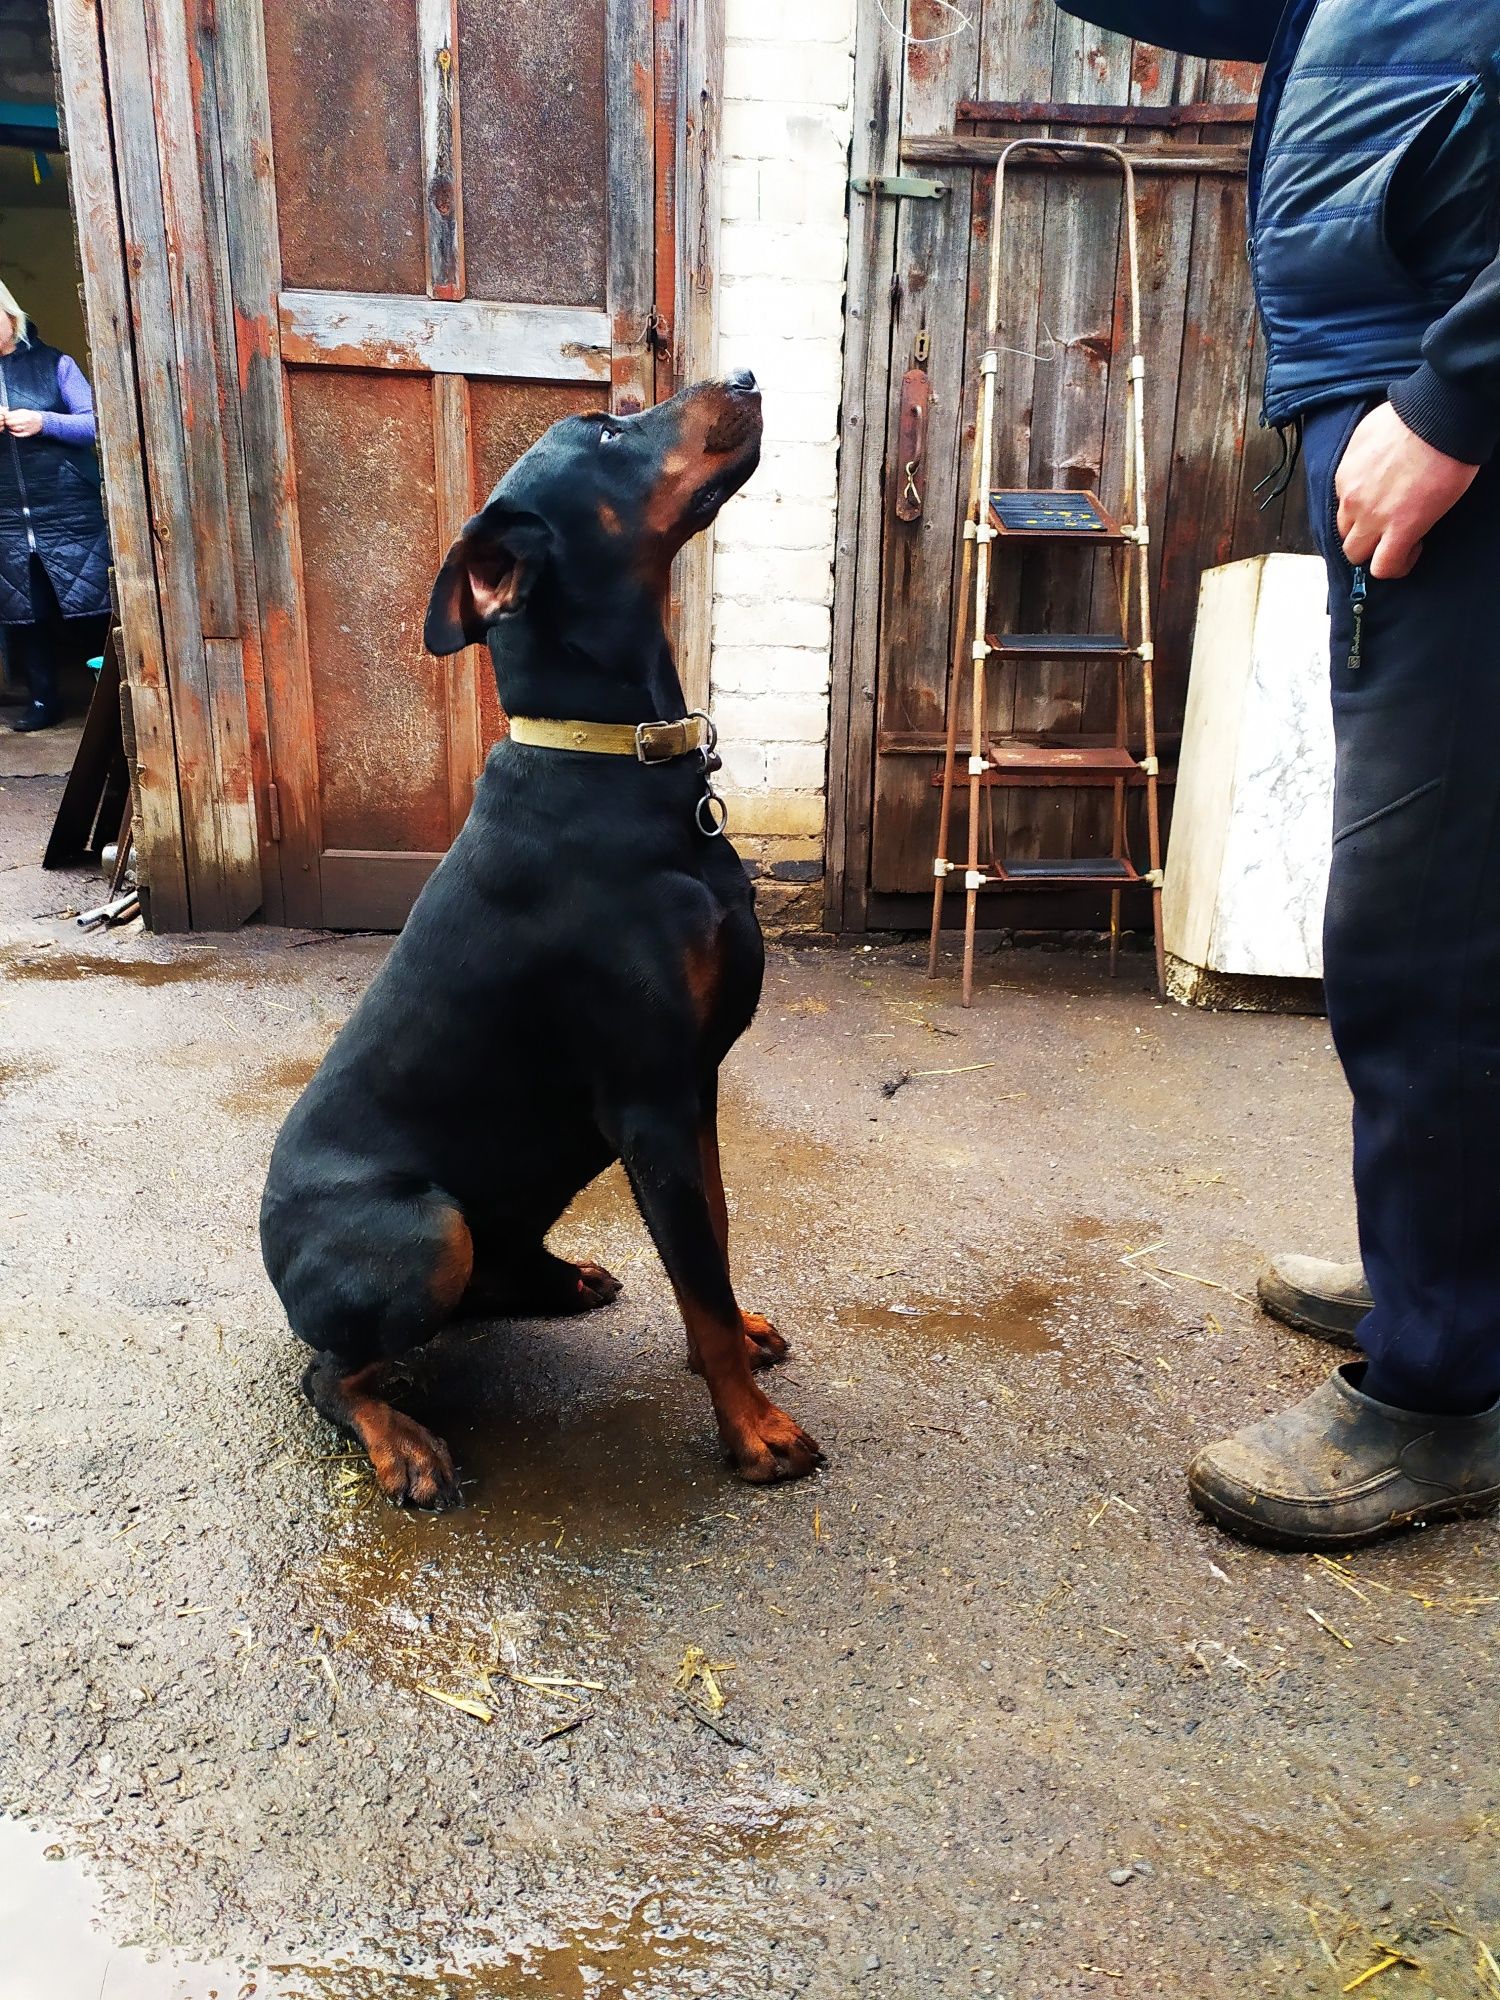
(898, 187)
(273, 803)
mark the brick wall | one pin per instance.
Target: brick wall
(788, 89)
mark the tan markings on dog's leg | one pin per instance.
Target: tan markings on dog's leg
(454, 1265)
(409, 1463)
(763, 1344)
(764, 1442)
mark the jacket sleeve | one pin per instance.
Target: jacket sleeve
(1453, 400)
(1237, 30)
(74, 423)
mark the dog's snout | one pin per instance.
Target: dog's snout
(742, 380)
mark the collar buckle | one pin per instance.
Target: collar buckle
(662, 742)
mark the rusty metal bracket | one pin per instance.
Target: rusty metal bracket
(898, 187)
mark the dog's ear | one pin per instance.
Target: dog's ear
(488, 575)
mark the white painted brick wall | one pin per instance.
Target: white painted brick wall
(788, 87)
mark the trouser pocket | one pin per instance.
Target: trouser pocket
(1350, 589)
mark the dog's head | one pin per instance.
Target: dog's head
(577, 540)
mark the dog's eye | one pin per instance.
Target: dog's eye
(608, 433)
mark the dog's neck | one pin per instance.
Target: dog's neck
(539, 672)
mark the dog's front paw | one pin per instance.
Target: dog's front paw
(596, 1286)
(772, 1446)
(412, 1467)
(764, 1344)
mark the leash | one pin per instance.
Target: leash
(647, 742)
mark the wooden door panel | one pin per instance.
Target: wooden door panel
(348, 145)
(455, 245)
(366, 497)
(505, 419)
(534, 150)
(1059, 410)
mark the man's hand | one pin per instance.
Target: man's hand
(23, 423)
(1392, 488)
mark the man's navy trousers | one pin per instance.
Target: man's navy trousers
(1412, 934)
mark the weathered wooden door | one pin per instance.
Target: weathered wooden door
(918, 267)
(441, 237)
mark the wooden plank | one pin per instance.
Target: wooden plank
(661, 324)
(878, 82)
(1081, 231)
(189, 201)
(917, 603)
(250, 670)
(442, 151)
(1197, 522)
(445, 336)
(630, 201)
(1165, 210)
(254, 263)
(453, 459)
(1018, 53)
(91, 174)
(700, 76)
(666, 117)
(940, 149)
(216, 860)
(1142, 113)
(191, 279)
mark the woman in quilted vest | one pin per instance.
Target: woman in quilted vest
(54, 548)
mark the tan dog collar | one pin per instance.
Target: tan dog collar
(648, 742)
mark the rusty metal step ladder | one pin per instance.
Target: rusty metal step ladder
(1054, 519)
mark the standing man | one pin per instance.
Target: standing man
(1375, 227)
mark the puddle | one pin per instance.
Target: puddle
(21, 961)
(1020, 1320)
(53, 1945)
(562, 1514)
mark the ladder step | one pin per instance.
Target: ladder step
(1097, 868)
(1059, 764)
(1095, 645)
(1053, 515)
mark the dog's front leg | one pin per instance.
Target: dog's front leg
(763, 1344)
(663, 1155)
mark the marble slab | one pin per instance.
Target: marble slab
(1247, 867)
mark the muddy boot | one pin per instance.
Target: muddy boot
(1339, 1469)
(1315, 1296)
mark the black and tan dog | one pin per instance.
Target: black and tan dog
(570, 979)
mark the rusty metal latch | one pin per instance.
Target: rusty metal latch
(898, 187)
(911, 444)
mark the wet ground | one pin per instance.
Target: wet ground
(1003, 1717)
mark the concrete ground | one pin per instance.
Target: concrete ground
(1003, 1717)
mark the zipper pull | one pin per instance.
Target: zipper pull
(1359, 590)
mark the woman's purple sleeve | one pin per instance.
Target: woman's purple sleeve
(75, 424)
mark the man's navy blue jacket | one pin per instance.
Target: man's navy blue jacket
(1374, 197)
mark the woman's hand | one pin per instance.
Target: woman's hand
(23, 423)
(1392, 488)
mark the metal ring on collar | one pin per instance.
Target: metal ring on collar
(718, 814)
